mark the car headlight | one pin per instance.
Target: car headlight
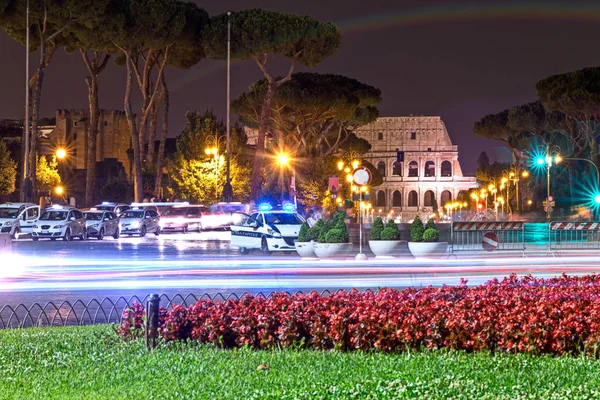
(94, 226)
(162, 224)
(8, 223)
(273, 233)
(135, 224)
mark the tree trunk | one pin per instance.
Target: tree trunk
(35, 115)
(138, 189)
(92, 133)
(152, 132)
(260, 143)
(163, 138)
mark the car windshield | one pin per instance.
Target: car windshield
(175, 212)
(133, 214)
(9, 213)
(93, 216)
(54, 215)
(283, 219)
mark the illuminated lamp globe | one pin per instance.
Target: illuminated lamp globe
(61, 153)
(597, 199)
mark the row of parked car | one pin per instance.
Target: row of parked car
(112, 219)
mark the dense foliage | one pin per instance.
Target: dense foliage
(417, 230)
(338, 226)
(91, 362)
(516, 315)
(47, 174)
(431, 235)
(8, 170)
(376, 228)
(303, 235)
(391, 231)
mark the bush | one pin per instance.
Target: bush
(313, 232)
(431, 235)
(390, 234)
(335, 223)
(516, 315)
(303, 235)
(430, 224)
(376, 229)
(335, 236)
(417, 230)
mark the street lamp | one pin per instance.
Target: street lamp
(513, 175)
(61, 153)
(214, 152)
(59, 190)
(552, 157)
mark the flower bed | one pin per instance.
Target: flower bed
(525, 315)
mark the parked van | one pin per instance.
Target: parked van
(18, 219)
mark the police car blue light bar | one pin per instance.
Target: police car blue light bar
(289, 207)
(264, 207)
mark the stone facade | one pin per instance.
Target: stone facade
(419, 164)
(112, 141)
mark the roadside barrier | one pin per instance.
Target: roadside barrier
(490, 236)
(102, 311)
(574, 235)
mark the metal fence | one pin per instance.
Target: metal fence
(99, 311)
(573, 235)
(468, 236)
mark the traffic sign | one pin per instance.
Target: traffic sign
(361, 176)
(490, 241)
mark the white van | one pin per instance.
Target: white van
(18, 218)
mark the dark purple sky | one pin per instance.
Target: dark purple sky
(456, 59)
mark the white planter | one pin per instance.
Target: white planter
(383, 248)
(305, 249)
(332, 250)
(427, 249)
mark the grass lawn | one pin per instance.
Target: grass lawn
(93, 363)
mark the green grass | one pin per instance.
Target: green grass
(93, 363)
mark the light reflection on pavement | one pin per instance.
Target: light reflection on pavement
(204, 263)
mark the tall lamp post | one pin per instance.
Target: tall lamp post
(26, 192)
(512, 175)
(283, 160)
(227, 189)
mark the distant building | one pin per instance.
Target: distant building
(418, 162)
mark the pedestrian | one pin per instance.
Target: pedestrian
(311, 220)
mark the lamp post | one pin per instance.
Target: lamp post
(26, 192)
(227, 189)
(283, 160)
(214, 153)
(513, 175)
(552, 157)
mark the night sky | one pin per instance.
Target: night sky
(457, 60)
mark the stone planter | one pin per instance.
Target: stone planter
(332, 250)
(305, 249)
(427, 249)
(385, 248)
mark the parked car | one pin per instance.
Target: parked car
(101, 223)
(137, 221)
(222, 215)
(159, 207)
(117, 208)
(183, 218)
(18, 218)
(60, 222)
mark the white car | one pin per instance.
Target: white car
(267, 230)
(18, 218)
(60, 222)
(139, 222)
(117, 208)
(102, 223)
(183, 219)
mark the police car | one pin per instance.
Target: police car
(18, 218)
(60, 222)
(268, 230)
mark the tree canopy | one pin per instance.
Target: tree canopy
(8, 170)
(316, 112)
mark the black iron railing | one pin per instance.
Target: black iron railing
(99, 311)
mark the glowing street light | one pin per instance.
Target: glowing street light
(59, 190)
(283, 159)
(61, 153)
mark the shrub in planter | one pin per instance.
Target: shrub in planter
(430, 224)
(417, 230)
(303, 235)
(390, 234)
(376, 229)
(315, 231)
(431, 235)
(335, 236)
